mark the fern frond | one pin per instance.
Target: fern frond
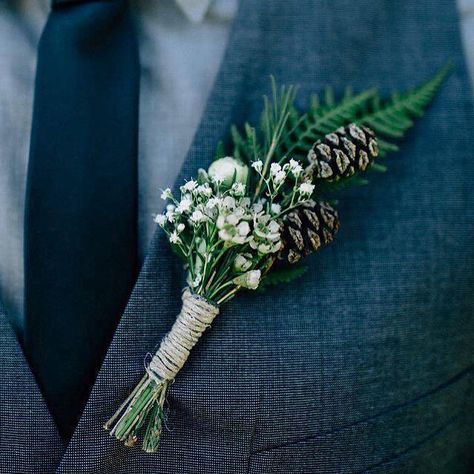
(391, 119)
(322, 118)
(285, 132)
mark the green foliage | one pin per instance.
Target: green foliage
(246, 146)
(276, 111)
(324, 116)
(275, 116)
(286, 133)
(220, 151)
(392, 118)
(278, 276)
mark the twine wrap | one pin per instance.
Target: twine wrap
(195, 317)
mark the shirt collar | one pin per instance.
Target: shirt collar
(194, 10)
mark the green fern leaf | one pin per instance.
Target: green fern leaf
(304, 130)
(286, 132)
(390, 120)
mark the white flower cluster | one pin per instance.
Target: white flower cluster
(236, 220)
(233, 220)
(266, 234)
(278, 175)
(227, 232)
(187, 213)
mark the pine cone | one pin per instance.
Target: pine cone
(306, 229)
(342, 153)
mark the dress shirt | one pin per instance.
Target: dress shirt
(181, 47)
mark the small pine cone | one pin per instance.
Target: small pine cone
(342, 153)
(306, 229)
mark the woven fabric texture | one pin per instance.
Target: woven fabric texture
(365, 365)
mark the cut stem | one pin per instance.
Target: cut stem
(145, 405)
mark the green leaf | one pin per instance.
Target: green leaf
(278, 276)
(389, 119)
(392, 118)
(303, 130)
(239, 143)
(285, 132)
(220, 151)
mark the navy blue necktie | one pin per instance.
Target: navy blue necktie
(81, 203)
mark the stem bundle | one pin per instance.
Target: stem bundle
(145, 405)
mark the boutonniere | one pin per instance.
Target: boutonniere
(245, 222)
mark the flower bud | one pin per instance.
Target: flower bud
(242, 262)
(202, 176)
(229, 170)
(248, 280)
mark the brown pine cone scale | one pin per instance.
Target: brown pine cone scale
(306, 229)
(342, 153)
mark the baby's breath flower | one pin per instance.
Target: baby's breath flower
(220, 222)
(257, 166)
(240, 212)
(279, 177)
(249, 280)
(245, 202)
(212, 203)
(232, 229)
(238, 189)
(184, 205)
(243, 228)
(197, 216)
(232, 219)
(253, 279)
(174, 238)
(204, 189)
(273, 227)
(228, 202)
(160, 219)
(189, 186)
(275, 168)
(166, 194)
(257, 207)
(170, 215)
(265, 237)
(306, 189)
(295, 168)
(180, 227)
(243, 262)
(275, 208)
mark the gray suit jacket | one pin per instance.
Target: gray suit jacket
(365, 365)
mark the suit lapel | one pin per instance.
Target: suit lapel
(155, 300)
(29, 439)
